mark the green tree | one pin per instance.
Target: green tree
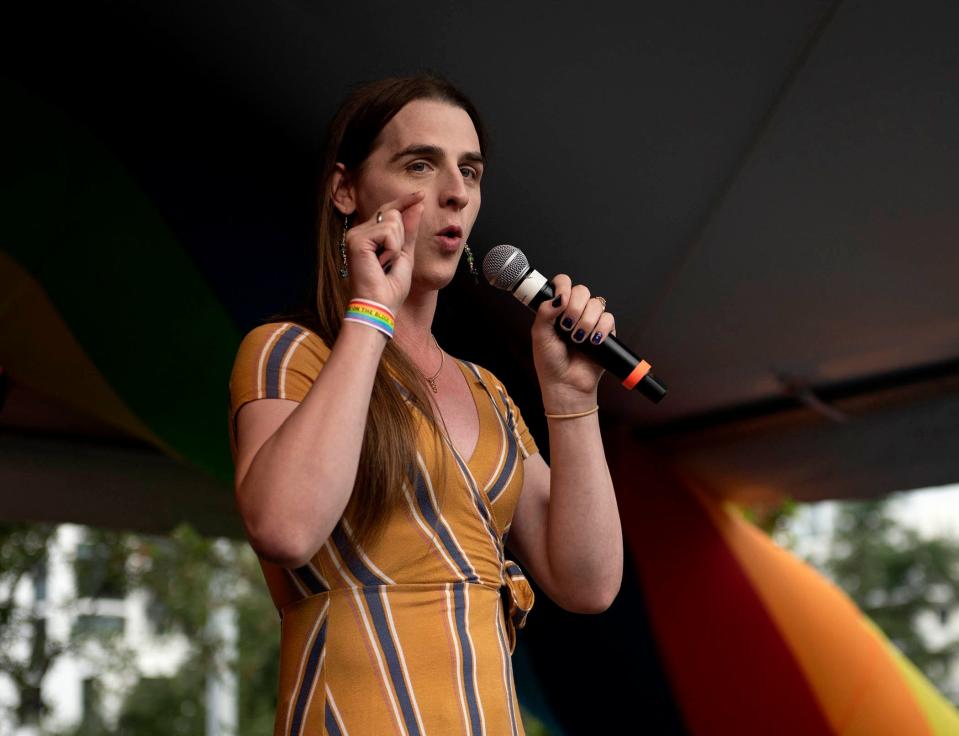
(184, 575)
(774, 519)
(165, 705)
(24, 552)
(23, 556)
(896, 576)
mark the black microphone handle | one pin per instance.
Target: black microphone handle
(611, 354)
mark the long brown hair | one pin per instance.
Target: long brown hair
(388, 457)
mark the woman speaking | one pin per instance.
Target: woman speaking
(380, 480)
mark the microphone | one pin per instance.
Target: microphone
(505, 267)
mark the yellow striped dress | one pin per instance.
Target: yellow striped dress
(414, 634)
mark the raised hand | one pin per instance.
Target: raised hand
(382, 249)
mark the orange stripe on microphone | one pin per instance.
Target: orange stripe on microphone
(641, 369)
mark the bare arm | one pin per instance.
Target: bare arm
(584, 539)
(293, 486)
(566, 527)
(567, 521)
(296, 464)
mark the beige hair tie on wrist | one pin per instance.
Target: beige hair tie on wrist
(572, 416)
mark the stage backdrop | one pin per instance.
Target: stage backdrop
(716, 630)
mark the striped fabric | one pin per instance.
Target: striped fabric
(754, 640)
(414, 634)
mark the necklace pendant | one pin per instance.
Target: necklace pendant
(431, 380)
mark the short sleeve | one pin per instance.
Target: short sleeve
(514, 418)
(278, 360)
(526, 440)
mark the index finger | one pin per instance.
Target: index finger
(404, 202)
(410, 207)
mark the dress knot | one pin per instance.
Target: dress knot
(518, 599)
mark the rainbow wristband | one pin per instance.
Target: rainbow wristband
(372, 314)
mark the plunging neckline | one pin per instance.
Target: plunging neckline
(470, 380)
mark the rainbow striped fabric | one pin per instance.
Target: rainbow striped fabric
(754, 640)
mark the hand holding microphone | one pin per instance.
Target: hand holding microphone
(505, 267)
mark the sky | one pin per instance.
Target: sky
(933, 511)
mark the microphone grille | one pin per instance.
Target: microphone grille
(504, 266)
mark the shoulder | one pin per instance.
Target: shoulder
(509, 411)
(492, 382)
(277, 360)
(483, 375)
(283, 340)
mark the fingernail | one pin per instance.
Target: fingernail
(558, 300)
(580, 334)
(567, 322)
(597, 337)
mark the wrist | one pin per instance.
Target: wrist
(372, 314)
(568, 401)
(360, 333)
(572, 415)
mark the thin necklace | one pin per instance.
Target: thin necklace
(431, 380)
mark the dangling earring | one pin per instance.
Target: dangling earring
(344, 271)
(469, 261)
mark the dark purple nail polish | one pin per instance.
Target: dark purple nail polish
(567, 322)
(558, 300)
(580, 334)
(597, 337)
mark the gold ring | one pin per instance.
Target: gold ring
(602, 300)
(379, 217)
